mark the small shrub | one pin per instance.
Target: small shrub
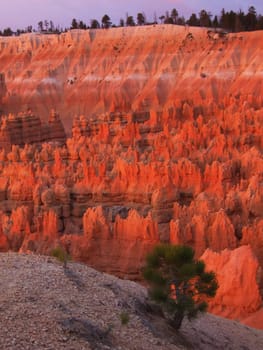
(61, 255)
(125, 318)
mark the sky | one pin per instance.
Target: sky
(21, 13)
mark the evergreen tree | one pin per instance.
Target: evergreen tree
(223, 19)
(168, 19)
(46, 23)
(94, 24)
(240, 21)
(205, 20)
(180, 21)
(74, 24)
(130, 21)
(105, 21)
(40, 26)
(7, 32)
(162, 18)
(51, 26)
(178, 282)
(251, 18)
(231, 21)
(259, 22)
(122, 22)
(215, 22)
(29, 29)
(140, 19)
(174, 15)
(82, 25)
(193, 20)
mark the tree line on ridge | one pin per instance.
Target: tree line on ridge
(228, 20)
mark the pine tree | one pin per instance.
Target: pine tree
(178, 282)
(94, 24)
(40, 26)
(74, 24)
(193, 20)
(251, 18)
(130, 21)
(105, 21)
(140, 19)
(205, 20)
(174, 15)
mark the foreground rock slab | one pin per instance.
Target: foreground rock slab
(45, 306)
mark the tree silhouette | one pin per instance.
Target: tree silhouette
(162, 18)
(168, 19)
(130, 21)
(180, 21)
(74, 24)
(40, 26)
(7, 32)
(251, 18)
(94, 24)
(140, 19)
(122, 22)
(46, 23)
(29, 29)
(215, 22)
(105, 21)
(193, 20)
(82, 25)
(51, 26)
(174, 15)
(205, 20)
(259, 22)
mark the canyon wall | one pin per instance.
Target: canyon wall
(123, 69)
(165, 140)
(2, 89)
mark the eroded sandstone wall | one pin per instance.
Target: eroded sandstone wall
(124, 69)
(166, 146)
(26, 128)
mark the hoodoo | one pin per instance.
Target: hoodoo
(162, 143)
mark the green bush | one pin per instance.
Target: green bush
(61, 254)
(124, 317)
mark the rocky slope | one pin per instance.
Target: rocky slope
(45, 306)
(169, 149)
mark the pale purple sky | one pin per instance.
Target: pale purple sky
(20, 13)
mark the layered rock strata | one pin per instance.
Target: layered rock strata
(124, 69)
(27, 128)
(162, 154)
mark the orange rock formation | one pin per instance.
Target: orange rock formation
(123, 69)
(237, 272)
(26, 128)
(169, 148)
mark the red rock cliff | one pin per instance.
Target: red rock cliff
(123, 69)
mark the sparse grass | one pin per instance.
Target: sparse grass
(125, 318)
